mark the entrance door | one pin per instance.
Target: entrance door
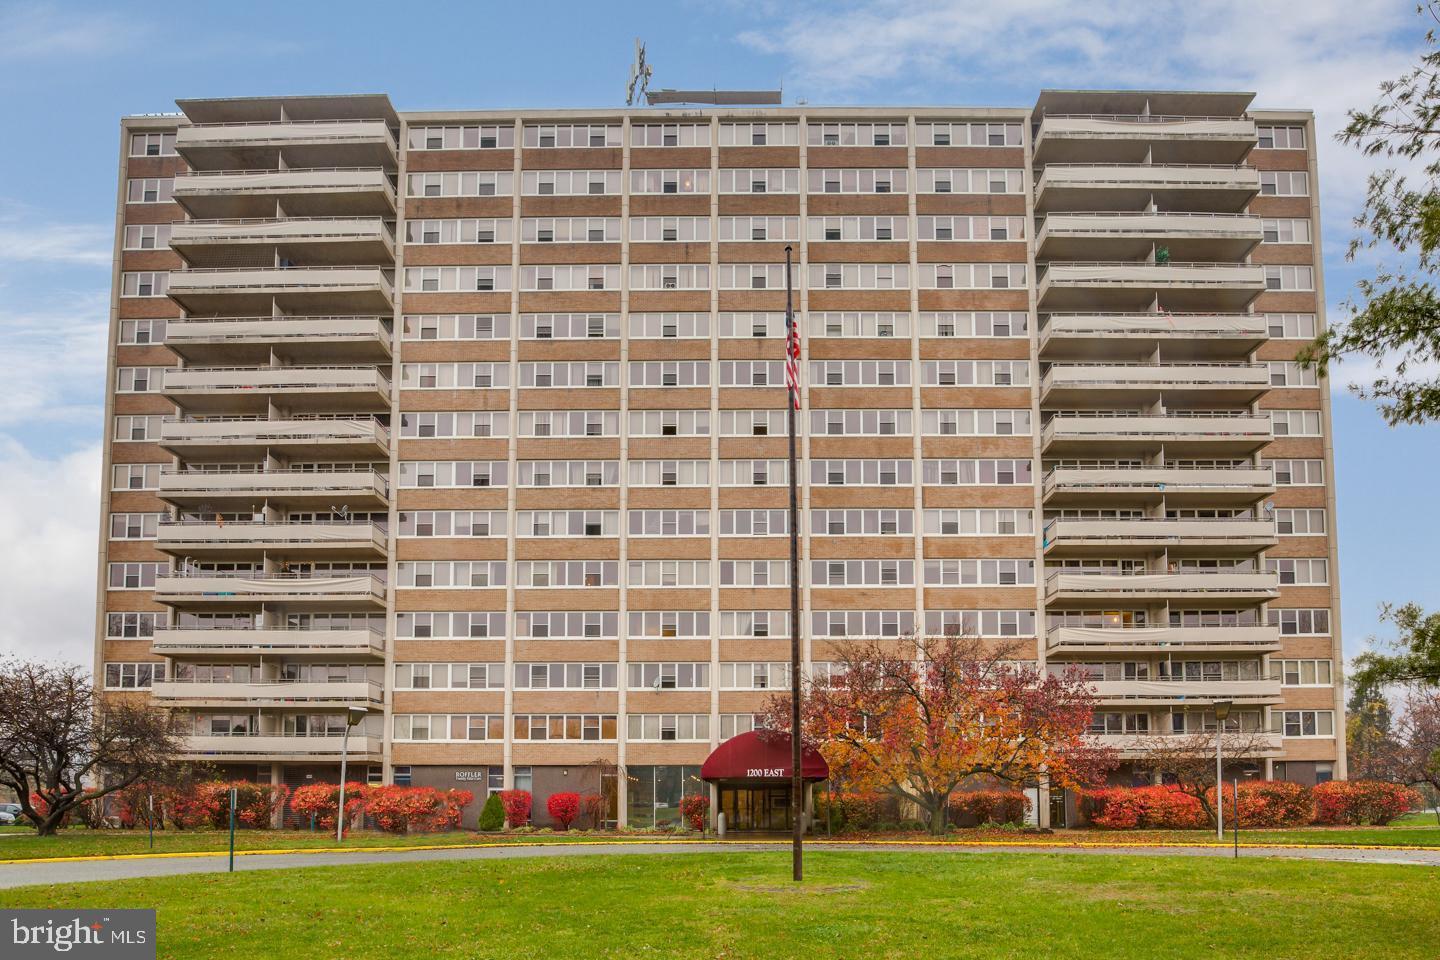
(764, 808)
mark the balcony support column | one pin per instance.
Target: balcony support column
(277, 777)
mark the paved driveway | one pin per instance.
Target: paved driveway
(27, 874)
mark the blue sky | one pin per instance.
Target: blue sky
(69, 71)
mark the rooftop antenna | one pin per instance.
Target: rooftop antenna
(639, 75)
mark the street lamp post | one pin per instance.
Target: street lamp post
(352, 717)
(1222, 710)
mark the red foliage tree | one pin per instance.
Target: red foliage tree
(517, 807)
(320, 800)
(1416, 750)
(918, 716)
(693, 808)
(563, 808)
(597, 809)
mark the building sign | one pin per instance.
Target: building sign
(767, 772)
(467, 776)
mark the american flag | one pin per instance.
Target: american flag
(792, 358)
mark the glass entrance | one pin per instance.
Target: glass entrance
(756, 808)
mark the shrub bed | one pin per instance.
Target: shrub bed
(989, 806)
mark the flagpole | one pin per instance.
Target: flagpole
(797, 784)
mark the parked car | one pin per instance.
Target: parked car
(9, 813)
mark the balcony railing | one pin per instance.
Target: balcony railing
(1168, 478)
(1257, 691)
(272, 484)
(185, 688)
(285, 229)
(263, 430)
(1153, 375)
(266, 131)
(279, 746)
(1181, 175)
(1181, 582)
(286, 535)
(275, 379)
(1244, 326)
(1232, 530)
(1135, 745)
(247, 640)
(1213, 427)
(256, 588)
(1253, 638)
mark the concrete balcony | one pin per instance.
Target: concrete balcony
(267, 692)
(205, 540)
(1137, 746)
(1107, 587)
(1171, 139)
(358, 489)
(233, 390)
(292, 591)
(1167, 692)
(248, 438)
(1101, 335)
(317, 241)
(1131, 236)
(237, 748)
(253, 339)
(248, 146)
(1131, 187)
(1239, 536)
(1202, 436)
(1215, 486)
(293, 290)
(292, 644)
(308, 192)
(1125, 384)
(1250, 639)
(1128, 286)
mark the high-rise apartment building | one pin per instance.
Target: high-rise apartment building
(475, 420)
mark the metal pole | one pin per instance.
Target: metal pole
(797, 786)
(1236, 828)
(340, 810)
(1219, 785)
(150, 818)
(232, 829)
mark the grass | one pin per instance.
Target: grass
(852, 905)
(20, 843)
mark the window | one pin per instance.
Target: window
(754, 523)
(973, 373)
(567, 473)
(135, 576)
(1303, 673)
(474, 137)
(676, 276)
(980, 623)
(744, 624)
(142, 332)
(458, 231)
(759, 180)
(154, 190)
(572, 135)
(669, 326)
(1285, 231)
(662, 727)
(860, 373)
(861, 473)
(1288, 373)
(472, 183)
(569, 423)
(1307, 723)
(861, 423)
(967, 473)
(975, 423)
(1298, 473)
(152, 144)
(1289, 278)
(461, 423)
(453, 523)
(862, 623)
(856, 134)
(135, 476)
(862, 573)
(449, 676)
(754, 473)
(670, 135)
(1280, 138)
(137, 428)
(132, 626)
(563, 675)
(569, 183)
(567, 523)
(677, 624)
(969, 180)
(669, 523)
(669, 676)
(485, 326)
(670, 373)
(1284, 183)
(133, 676)
(984, 229)
(759, 134)
(456, 279)
(138, 379)
(754, 573)
(669, 473)
(1299, 571)
(445, 575)
(566, 625)
(971, 276)
(1300, 523)
(452, 376)
(968, 134)
(671, 423)
(144, 284)
(669, 181)
(1295, 423)
(860, 325)
(979, 523)
(1306, 622)
(446, 727)
(449, 626)
(859, 276)
(669, 229)
(858, 181)
(134, 526)
(669, 573)
(862, 523)
(147, 236)
(567, 573)
(1291, 326)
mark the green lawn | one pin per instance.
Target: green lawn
(1417, 830)
(852, 905)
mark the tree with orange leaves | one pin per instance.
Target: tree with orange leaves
(917, 717)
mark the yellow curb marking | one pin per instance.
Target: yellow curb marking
(1038, 844)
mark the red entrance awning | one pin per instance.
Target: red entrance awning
(761, 755)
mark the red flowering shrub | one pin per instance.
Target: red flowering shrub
(563, 808)
(1148, 808)
(990, 806)
(406, 809)
(597, 809)
(1269, 803)
(131, 805)
(320, 800)
(517, 807)
(1362, 802)
(693, 808)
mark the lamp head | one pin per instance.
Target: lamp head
(1222, 709)
(354, 715)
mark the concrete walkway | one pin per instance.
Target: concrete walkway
(29, 874)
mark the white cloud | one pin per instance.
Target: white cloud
(55, 360)
(38, 31)
(49, 528)
(77, 243)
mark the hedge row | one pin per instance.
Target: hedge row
(1262, 803)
